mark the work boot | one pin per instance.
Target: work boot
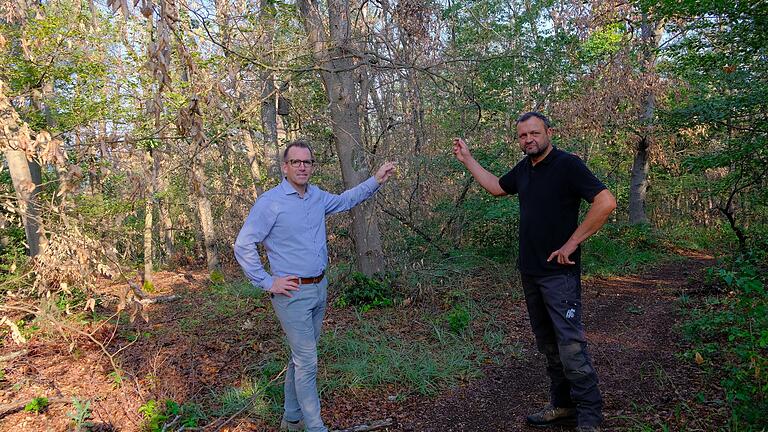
(551, 416)
(292, 426)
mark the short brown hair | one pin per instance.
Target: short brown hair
(536, 114)
(297, 143)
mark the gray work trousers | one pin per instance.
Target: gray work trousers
(554, 308)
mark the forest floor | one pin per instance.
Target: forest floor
(212, 340)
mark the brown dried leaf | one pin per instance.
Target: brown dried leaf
(16, 335)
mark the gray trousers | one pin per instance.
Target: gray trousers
(301, 318)
(554, 308)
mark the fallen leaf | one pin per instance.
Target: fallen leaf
(16, 335)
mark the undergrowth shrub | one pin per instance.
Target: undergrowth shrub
(729, 332)
(162, 415)
(37, 405)
(367, 293)
(458, 319)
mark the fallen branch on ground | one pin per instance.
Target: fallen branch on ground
(159, 299)
(11, 408)
(13, 355)
(375, 425)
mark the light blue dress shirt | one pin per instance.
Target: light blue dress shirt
(292, 230)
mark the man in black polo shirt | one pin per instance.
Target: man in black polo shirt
(550, 184)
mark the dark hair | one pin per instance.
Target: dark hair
(297, 143)
(536, 114)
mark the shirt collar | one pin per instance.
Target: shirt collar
(288, 189)
(549, 158)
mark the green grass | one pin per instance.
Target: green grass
(619, 249)
(227, 299)
(260, 395)
(367, 357)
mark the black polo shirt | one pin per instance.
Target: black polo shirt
(550, 194)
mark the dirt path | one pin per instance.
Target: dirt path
(630, 324)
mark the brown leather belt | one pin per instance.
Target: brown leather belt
(311, 280)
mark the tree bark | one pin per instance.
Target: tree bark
(206, 216)
(332, 54)
(149, 206)
(25, 174)
(253, 160)
(269, 92)
(638, 185)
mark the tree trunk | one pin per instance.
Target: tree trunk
(164, 210)
(190, 124)
(269, 92)
(25, 175)
(253, 160)
(340, 85)
(26, 192)
(206, 216)
(638, 185)
(269, 125)
(149, 206)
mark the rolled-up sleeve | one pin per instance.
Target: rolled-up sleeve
(257, 226)
(351, 197)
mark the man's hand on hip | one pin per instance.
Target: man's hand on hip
(563, 254)
(284, 285)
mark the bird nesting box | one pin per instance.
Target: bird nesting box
(283, 106)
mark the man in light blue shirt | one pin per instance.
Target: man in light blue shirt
(289, 220)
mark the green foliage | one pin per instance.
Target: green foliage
(158, 415)
(217, 277)
(730, 332)
(458, 319)
(37, 405)
(71, 298)
(148, 286)
(80, 415)
(27, 328)
(367, 293)
(603, 42)
(718, 114)
(58, 51)
(117, 379)
(621, 248)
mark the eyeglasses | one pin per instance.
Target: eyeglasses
(297, 163)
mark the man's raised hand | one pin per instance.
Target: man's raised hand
(460, 150)
(385, 171)
(284, 285)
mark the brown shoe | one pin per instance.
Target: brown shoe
(286, 425)
(551, 416)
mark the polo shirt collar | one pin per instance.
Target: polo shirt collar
(550, 157)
